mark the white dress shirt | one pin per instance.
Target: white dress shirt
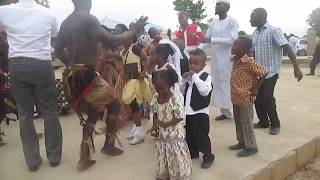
(29, 29)
(204, 88)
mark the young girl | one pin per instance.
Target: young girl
(136, 90)
(160, 55)
(173, 157)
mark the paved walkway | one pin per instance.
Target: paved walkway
(298, 105)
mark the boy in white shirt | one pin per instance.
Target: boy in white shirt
(197, 88)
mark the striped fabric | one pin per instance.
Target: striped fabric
(243, 117)
(267, 45)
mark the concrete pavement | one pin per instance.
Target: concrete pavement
(298, 106)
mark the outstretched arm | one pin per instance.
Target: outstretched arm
(297, 72)
(114, 40)
(279, 38)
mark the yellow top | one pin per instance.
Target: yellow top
(129, 58)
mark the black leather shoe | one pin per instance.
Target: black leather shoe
(247, 152)
(207, 161)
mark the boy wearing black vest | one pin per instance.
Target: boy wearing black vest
(197, 92)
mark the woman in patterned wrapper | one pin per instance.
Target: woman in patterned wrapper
(173, 156)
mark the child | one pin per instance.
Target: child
(173, 157)
(160, 55)
(246, 78)
(136, 90)
(197, 87)
(174, 56)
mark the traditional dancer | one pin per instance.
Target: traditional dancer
(77, 47)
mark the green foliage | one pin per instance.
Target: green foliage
(195, 10)
(314, 20)
(4, 2)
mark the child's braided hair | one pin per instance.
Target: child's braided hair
(169, 75)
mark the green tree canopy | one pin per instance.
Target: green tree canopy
(195, 10)
(4, 2)
(314, 20)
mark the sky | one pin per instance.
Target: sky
(289, 15)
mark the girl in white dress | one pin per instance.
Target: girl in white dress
(173, 156)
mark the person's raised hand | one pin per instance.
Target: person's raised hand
(138, 26)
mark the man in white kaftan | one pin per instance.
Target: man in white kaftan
(221, 35)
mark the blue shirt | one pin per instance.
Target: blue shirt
(267, 45)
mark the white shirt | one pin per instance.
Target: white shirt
(29, 29)
(204, 88)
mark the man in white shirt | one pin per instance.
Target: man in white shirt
(221, 35)
(29, 29)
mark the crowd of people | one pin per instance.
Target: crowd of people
(110, 74)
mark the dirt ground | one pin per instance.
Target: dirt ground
(310, 172)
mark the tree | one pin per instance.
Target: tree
(195, 10)
(314, 20)
(5, 2)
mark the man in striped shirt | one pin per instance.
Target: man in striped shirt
(268, 45)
